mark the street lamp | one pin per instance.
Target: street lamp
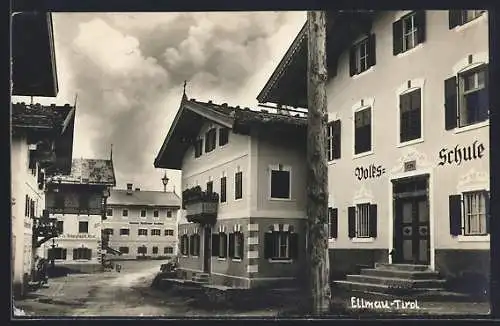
(164, 180)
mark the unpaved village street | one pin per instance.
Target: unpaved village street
(128, 293)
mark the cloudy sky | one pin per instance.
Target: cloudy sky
(128, 70)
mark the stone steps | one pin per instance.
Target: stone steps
(394, 279)
(414, 275)
(405, 283)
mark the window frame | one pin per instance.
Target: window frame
(80, 223)
(412, 32)
(238, 190)
(109, 212)
(198, 147)
(358, 69)
(123, 251)
(166, 233)
(359, 111)
(139, 232)
(166, 252)
(365, 205)
(157, 231)
(409, 92)
(145, 211)
(462, 93)
(125, 234)
(237, 246)
(210, 140)
(482, 214)
(82, 254)
(125, 213)
(169, 213)
(223, 141)
(223, 189)
(277, 246)
(223, 245)
(280, 168)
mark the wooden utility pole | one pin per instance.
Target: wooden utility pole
(317, 177)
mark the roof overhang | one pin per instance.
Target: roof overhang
(288, 83)
(184, 129)
(34, 70)
(192, 115)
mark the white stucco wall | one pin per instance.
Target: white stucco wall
(23, 183)
(222, 161)
(444, 52)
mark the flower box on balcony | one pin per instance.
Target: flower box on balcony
(201, 206)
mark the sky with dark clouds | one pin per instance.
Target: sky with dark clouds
(128, 70)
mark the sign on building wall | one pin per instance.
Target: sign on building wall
(370, 172)
(78, 236)
(459, 154)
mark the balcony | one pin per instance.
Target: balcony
(201, 206)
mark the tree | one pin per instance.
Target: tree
(317, 177)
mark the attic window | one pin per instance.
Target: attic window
(198, 147)
(223, 136)
(210, 138)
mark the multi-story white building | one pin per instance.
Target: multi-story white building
(408, 138)
(243, 176)
(78, 200)
(142, 223)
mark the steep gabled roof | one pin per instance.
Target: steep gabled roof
(192, 115)
(88, 171)
(120, 197)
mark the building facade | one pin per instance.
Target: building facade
(142, 223)
(408, 138)
(33, 74)
(78, 202)
(243, 222)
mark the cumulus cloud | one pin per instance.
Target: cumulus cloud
(128, 70)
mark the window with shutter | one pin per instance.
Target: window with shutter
(198, 147)
(474, 219)
(238, 183)
(280, 182)
(409, 31)
(268, 245)
(362, 131)
(362, 55)
(332, 222)
(124, 250)
(223, 136)
(210, 186)
(223, 244)
(333, 140)
(83, 227)
(223, 184)
(210, 139)
(410, 115)
(473, 105)
(351, 219)
(232, 245)
(455, 210)
(215, 245)
(462, 17)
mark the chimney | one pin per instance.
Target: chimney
(137, 189)
(129, 188)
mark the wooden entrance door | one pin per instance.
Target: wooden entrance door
(412, 236)
(207, 252)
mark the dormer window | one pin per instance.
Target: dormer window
(223, 136)
(198, 147)
(210, 138)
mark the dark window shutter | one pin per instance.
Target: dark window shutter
(454, 18)
(455, 207)
(215, 245)
(372, 51)
(294, 245)
(487, 210)
(268, 245)
(75, 253)
(191, 245)
(397, 37)
(64, 253)
(352, 61)
(337, 127)
(373, 221)
(231, 245)
(420, 21)
(351, 221)
(484, 103)
(450, 103)
(334, 212)
(242, 244)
